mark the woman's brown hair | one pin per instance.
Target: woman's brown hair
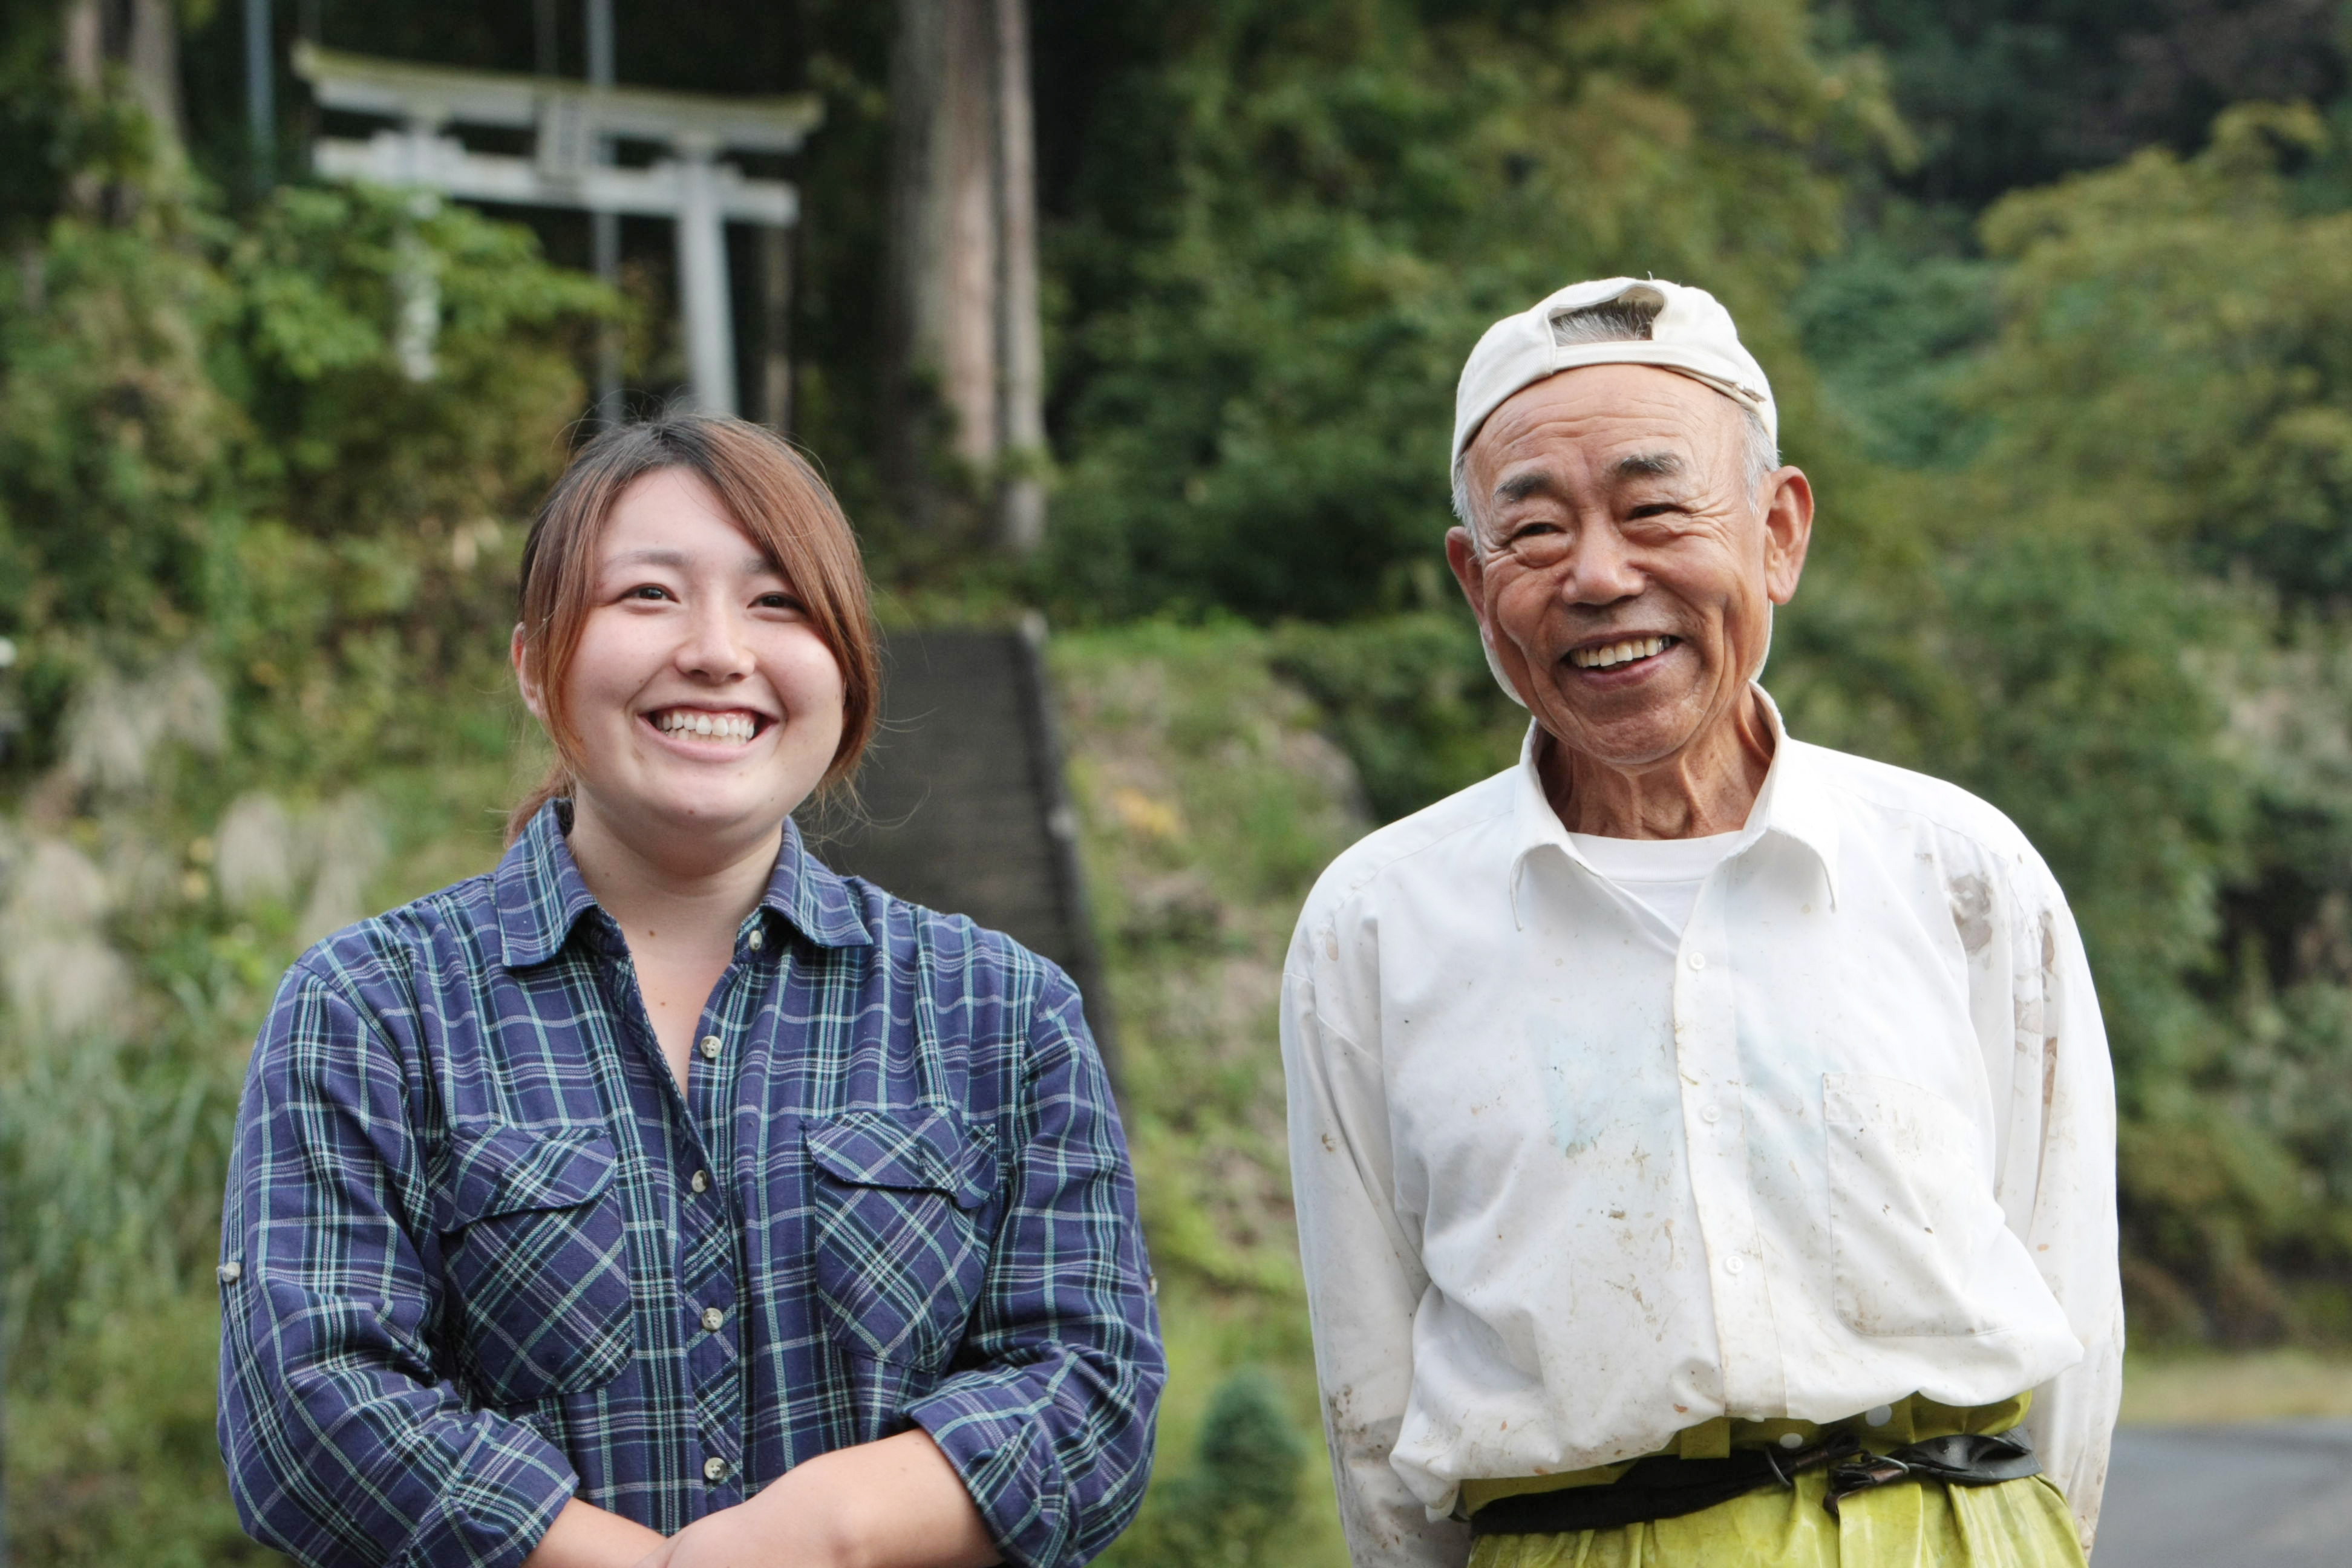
(770, 492)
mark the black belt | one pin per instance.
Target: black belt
(1663, 1487)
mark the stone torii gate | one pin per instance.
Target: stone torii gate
(573, 123)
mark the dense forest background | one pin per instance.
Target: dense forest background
(2057, 297)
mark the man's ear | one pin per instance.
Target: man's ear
(1462, 554)
(1469, 563)
(531, 695)
(1787, 533)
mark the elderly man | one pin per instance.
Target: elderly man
(1703, 1141)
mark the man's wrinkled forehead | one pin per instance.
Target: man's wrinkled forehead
(1605, 423)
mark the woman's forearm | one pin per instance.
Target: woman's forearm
(897, 1503)
(585, 1536)
(900, 1504)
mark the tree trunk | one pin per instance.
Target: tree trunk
(140, 39)
(1021, 368)
(965, 382)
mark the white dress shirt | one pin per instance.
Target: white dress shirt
(1664, 873)
(1570, 1181)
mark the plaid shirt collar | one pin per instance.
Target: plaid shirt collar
(541, 896)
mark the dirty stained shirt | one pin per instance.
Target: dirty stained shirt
(1570, 1181)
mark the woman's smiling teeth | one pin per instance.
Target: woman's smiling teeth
(1603, 655)
(694, 724)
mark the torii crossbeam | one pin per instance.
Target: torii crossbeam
(572, 123)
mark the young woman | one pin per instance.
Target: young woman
(661, 1197)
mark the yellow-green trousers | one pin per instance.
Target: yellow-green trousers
(1911, 1525)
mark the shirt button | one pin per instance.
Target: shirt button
(230, 1272)
(714, 1468)
(713, 1318)
(1698, 961)
(1879, 1415)
(1793, 1440)
(710, 1048)
(1733, 1264)
(757, 940)
(699, 1181)
(1711, 1115)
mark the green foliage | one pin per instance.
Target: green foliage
(2010, 93)
(1410, 701)
(1209, 801)
(357, 445)
(1309, 212)
(1891, 326)
(1234, 1507)
(246, 565)
(2176, 359)
(110, 436)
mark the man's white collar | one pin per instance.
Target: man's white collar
(1792, 802)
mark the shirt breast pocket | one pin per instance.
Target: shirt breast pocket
(900, 1257)
(1921, 1246)
(534, 1256)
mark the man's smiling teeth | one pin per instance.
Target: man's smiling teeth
(1607, 654)
(701, 726)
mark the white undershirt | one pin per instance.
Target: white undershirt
(1664, 874)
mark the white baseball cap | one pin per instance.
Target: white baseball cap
(1690, 332)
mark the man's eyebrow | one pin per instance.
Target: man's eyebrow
(1660, 465)
(1648, 466)
(1520, 487)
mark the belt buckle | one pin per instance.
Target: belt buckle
(1835, 1446)
(1861, 1475)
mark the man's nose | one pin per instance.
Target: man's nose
(1601, 570)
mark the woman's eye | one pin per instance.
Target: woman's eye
(777, 602)
(647, 591)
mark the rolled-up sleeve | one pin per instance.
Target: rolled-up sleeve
(345, 1445)
(1050, 1423)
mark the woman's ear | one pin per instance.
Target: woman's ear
(531, 695)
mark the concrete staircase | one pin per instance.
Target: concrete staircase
(964, 805)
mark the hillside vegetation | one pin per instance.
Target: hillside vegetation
(2071, 373)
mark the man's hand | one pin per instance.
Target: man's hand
(896, 1503)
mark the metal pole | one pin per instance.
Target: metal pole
(604, 228)
(260, 94)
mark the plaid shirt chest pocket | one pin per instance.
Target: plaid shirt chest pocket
(533, 1239)
(901, 1258)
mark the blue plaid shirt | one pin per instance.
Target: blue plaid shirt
(482, 1254)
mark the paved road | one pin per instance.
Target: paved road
(2274, 1496)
